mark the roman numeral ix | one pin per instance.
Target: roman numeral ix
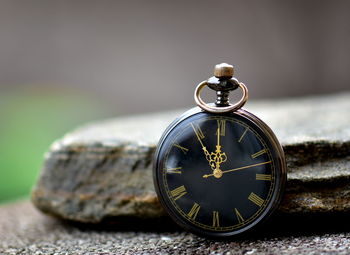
(176, 170)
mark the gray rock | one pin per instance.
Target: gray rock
(23, 230)
(103, 170)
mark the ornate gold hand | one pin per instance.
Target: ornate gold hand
(200, 136)
(235, 169)
(218, 157)
(215, 159)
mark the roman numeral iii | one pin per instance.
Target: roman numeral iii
(263, 177)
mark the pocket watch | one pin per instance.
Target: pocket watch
(219, 170)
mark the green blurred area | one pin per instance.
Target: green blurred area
(30, 122)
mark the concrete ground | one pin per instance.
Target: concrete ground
(24, 230)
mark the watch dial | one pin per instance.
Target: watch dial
(217, 173)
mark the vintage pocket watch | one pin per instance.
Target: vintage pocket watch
(219, 170)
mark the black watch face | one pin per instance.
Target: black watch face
(217, 174)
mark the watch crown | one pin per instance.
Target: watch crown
(223, 70)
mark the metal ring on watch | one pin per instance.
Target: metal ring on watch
(222, 109)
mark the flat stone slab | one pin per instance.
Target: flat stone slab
(102, 171)
(23, 230)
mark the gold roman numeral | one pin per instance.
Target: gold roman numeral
(176, 170)
(256, 199)
(222, 127)
(183, 149)
(245, 131)
(239, 216)
(259, 153)
(178, 192)
(216, 222)
(197, 130)
(263, 177)
(194, 211)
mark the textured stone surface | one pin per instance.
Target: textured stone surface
(103, 170)
(23, 230)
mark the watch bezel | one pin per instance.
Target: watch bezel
(277, 193)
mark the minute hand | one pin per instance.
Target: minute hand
(206, 153)
(238, 168)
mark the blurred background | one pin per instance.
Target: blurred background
(64, 63)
